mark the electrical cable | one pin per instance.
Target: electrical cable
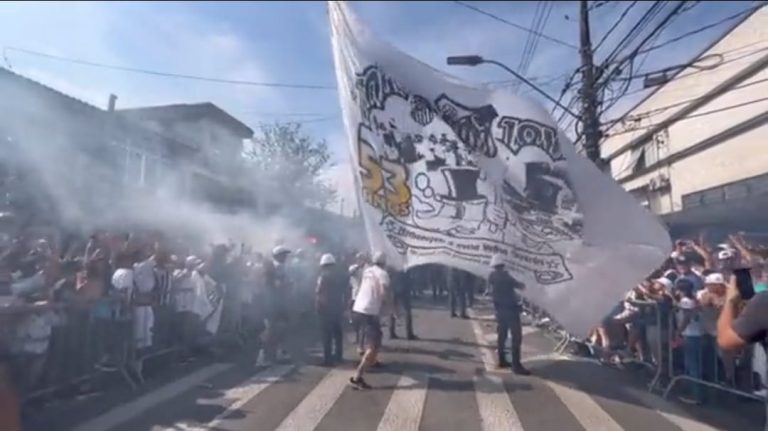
(517, 26)
(633, 33)
(698, 115)
(532, 42)
(661, 109)
(701, 29)
(169, 74)
(615, 24)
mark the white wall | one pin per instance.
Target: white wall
(734, 159)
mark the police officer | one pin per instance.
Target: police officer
(507, 305)
(461, 283)
(402, 283)
(330, 301)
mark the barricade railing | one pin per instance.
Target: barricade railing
(52, 348)
(698, 360)
(659, 322)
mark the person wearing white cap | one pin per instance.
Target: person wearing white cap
(507, 306)
(330, 299)
(374, 299)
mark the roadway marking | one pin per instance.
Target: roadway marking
(485, 351)
(406, 405)
(124, 413)
(496, 410)
(308, 414)
(242, 393)
(589, 414)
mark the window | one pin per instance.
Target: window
(640, 160)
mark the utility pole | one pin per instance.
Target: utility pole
(590, 122)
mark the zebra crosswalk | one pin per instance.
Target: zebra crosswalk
(486, 402)
(437, 383)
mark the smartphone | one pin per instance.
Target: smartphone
(744, 283)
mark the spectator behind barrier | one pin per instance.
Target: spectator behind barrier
(739, 327)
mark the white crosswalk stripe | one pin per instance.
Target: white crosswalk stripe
(496, 410)
(588, 412)
(406, 406)
(308, 414)
(242, 394)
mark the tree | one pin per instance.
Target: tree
(287, 164)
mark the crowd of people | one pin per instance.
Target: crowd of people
(670, 320)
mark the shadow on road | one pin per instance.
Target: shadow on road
(612, 384)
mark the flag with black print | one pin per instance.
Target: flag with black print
(453, 174)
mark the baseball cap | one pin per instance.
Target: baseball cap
(725, 254)
(714, 278)
(667, 283)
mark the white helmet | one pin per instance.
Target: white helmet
(280, 249)
(327, 259)
(497, 260)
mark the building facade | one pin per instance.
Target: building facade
(694, 150)
(86, 159)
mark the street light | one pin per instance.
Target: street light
(474, 60)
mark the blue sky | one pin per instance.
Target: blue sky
(288, 42)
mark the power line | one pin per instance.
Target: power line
(701, 29)
(169, 74)
(678, 9)
(635, 31)
(674, 105)
(700, 114)
(615, 24)
(517, 26)
(284, 114)
(543, 11)
(681, 76)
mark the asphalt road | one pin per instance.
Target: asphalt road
(444, 381)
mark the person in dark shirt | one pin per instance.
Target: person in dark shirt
(330, 303)
(461, 285)
(402, 285)
(507, 305)
(735, 330)
(278, 291)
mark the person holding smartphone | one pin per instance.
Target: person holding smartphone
(737, 327)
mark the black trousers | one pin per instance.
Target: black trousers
(460, 296)
(508, 322)
(332, 335)
(437, 280)
(403, 299)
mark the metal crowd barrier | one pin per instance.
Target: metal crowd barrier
(56, 348)
(660, 337)
(709, 354)
(659, 328)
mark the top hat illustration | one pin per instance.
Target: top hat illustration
(462, 184)
(543, 187)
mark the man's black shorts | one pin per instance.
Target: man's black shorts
(372, 327)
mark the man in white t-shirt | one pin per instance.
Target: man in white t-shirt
(355, 278)
(374, 298)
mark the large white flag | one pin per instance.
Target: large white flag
(453, 174)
